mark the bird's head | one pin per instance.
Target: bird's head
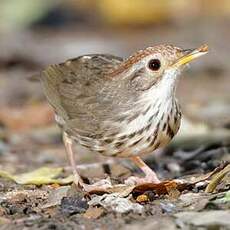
(158, 65)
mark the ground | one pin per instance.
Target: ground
(29, 140)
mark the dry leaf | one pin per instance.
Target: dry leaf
(39, 176)
(217, 178)
(160, 189)
(172, 190)
(142, 198)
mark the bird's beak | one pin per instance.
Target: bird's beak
(191, 55)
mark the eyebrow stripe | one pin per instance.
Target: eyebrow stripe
(136, 57)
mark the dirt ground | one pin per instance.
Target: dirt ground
(29, 139)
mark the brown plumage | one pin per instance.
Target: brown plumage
(115, 107)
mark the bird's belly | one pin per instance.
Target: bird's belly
(147, 146)
(144, 139)
(157, 136)
(131, 146)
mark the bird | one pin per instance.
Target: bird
(117, 107)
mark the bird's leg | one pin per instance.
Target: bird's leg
(100, 185)
(150, 175)
(68, 145)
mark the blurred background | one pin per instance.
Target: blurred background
(34, 34)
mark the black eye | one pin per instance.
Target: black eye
(154, 64)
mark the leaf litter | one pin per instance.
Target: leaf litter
(120, 198)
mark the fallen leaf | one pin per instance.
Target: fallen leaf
(39, 176)
(160, 189)
(172, 190)
(217, 178)
(122, 190)
(142, 198)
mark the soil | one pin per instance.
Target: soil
(29, 139)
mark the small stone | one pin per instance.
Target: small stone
(116, 203)
(94, 213)
(167, 207)
(73, 205)
(55, 197)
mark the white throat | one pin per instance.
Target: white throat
(160, 97)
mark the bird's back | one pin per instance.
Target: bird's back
(77, 90)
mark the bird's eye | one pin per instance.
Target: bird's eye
(154, 64)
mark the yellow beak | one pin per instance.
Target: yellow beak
(191, 55)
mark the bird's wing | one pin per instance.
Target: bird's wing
(72, 88)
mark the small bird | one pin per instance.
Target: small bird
(118, 108)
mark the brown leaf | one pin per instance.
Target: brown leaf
(172, 190)
(160, 189)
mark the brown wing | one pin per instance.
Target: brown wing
(72, 89)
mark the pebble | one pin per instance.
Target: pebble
(117, 204)
(215, 219)
(73, 205)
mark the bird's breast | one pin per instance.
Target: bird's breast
(152, 129)
(141, 130)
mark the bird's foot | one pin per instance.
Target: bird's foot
(150, 175)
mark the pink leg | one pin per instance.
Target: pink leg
(68, 145)
(150, 175)
(100, 185)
